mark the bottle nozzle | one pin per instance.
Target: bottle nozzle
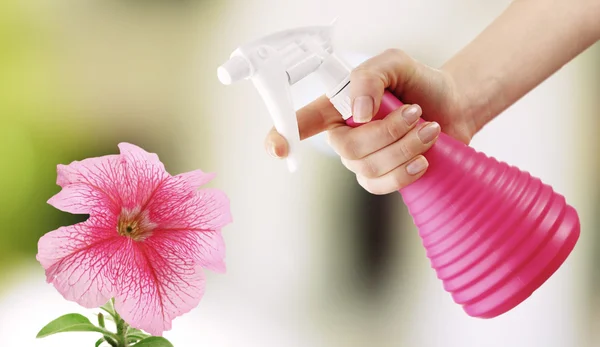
(274, 63)
(235, 69)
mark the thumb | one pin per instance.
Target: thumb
(314, 118)
(391, 69)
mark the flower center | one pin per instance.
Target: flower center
(135, 224)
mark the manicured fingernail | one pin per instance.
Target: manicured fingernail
(417, 165)
(362, 109)
(272, 151)
(411, 114)
(429, 132)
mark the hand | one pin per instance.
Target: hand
(386, 155)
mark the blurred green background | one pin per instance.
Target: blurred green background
(313, 260)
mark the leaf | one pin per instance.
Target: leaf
(136, 337)
(108, 306)
(136, 333)
(111, 341)
(154, 341)
(66, 323)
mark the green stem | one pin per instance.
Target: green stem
(121, 330)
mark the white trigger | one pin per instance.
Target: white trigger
(273, 86)
(276, 62)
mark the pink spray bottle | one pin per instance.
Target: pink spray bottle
(493, 233)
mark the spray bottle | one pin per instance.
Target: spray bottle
(493, 233)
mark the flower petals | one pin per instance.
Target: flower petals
(194, 223)
(81, 261)
(135, 154)
(142, 175)
(196, 178)
(87, 186)
(202, 210)
(109, 183)
(158, 285)
(206, 248)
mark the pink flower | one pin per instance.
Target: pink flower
(145, 243)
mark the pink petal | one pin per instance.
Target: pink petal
(206, 248)
(195, 218)
(157, 285)
(196, 178)
(109, 183)
(174, 206)
(87, 186)
(143, 174)
(82, 261)
(135, 154)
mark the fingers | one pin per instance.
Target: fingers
(387, 155)
(396, 179)
(276, 145)
(370, 80)
(314, 118)
(357, 143)
(416, 142)
(318, 116)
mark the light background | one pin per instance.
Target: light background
(77, 77)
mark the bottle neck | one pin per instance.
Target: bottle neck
(334, 74)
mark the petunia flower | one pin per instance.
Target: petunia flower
(148, 237)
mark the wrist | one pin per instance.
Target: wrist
(462, 108)
(475, 103)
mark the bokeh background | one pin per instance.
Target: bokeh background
(313, 260)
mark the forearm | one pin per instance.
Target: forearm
(530, 41)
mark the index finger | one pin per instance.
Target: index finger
(317, 117)
(314, 118)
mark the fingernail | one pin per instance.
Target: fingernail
(429, 132)
(417, 165)
(362, 109)
(272, 151)
(411, 114)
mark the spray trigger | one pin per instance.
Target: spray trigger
(276, 62)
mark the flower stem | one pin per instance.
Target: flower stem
(120, 338)
(122, 327)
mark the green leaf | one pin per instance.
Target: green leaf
(131, 330)
(135, 338)
(111, 341)
(68, 322)
(154, 341)
(137, 334)
(109, 308)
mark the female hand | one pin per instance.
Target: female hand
(386, 155)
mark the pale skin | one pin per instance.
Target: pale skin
(526, 44)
